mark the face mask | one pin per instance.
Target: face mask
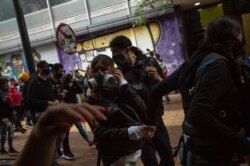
(59, 75)
(46, 71)
(238, 49)
(119, 60)
(71, 84)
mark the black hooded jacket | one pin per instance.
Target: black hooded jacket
(213, 113)
(112, 136)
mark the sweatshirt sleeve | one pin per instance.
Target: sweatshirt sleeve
(213, 86)
(103, 132)
(107, 131)
(160, 89)
(134, 100)
(32, 97)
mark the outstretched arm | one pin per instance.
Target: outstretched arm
(39, 148)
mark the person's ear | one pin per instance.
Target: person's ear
(231, 42)
(127, 51)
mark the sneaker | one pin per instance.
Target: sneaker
(28, 124)
(18, 130)
(68, 156)
(23, 130)
(3, 151)
(59, 152)
(13, 152)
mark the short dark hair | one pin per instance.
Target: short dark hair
(56, 67)
(222, 29)
(103, 60)
(66, 79)
(120, 42)
(42, 64)
(3, 81)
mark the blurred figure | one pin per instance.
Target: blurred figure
(119, 139)
(143, 73)
(6, 114)
(24, 77)
(71, 89)
(41, 94)
(16, 98)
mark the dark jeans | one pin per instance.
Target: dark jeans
(148, 155)
(66, 146)
(57, 146)
(162, 144)
(58, 143)
(198, 161)
(30, 117)
(6, 127)
(82, 131)
(17, 117)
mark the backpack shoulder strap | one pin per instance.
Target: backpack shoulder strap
(210, 59)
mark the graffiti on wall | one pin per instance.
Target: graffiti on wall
(11, 65)
(169, 46)
(165, 35)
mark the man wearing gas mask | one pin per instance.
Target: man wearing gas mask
(143, 73)
(118, 139)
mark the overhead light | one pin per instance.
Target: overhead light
(197, 4)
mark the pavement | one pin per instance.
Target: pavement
(86, 155)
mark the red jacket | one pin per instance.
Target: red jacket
(15, 97)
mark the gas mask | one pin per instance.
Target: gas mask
(101, 81)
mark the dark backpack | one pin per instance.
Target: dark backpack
(188, 82)
(191, 72)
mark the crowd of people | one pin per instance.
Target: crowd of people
(123, 105)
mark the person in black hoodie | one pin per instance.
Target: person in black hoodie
(119, 138)
(213, 113)
(40, 91)
(41, 94)
(143, 73)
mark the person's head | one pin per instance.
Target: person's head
(43, 69)
(121, 54)
(67, 80)
(4, 84)
(225, 31)
(101, 81)
(102, 63)
(57, 70)
(119, 44)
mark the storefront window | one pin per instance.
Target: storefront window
(6, 10)
(58, 2)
